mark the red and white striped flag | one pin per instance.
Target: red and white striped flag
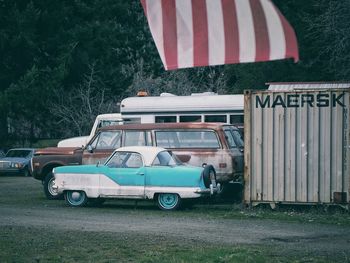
(191, 33)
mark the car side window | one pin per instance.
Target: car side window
(136, 138)
(116, 160)
(187, 139)
(134, 161)
(125, 160)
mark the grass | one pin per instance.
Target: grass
(288, 213)
(44, 244)
(20, 244)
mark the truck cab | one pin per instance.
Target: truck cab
(101, 120)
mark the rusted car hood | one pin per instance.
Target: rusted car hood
(56, 150)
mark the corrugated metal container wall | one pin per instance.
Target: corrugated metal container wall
(297, 146)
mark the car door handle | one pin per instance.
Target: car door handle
(141, 173)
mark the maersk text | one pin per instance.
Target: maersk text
(300, 100)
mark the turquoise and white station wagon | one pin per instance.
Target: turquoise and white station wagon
(139, 172)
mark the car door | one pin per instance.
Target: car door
(127, 171)
(101, 147)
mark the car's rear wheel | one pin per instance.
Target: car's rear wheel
(75, 198)
(168, 201)
(49, 191)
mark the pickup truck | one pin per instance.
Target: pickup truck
(101, 120)
(46, 159)
(217, 144)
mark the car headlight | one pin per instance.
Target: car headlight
(16, 165)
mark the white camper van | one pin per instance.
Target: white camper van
(100, 121)
(198, 107)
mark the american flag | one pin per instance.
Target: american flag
(191, 33)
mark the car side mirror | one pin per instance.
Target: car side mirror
(89, 149)
(98, 164)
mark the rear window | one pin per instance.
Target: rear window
(187, 139)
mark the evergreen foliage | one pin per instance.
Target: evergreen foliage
(58, 56)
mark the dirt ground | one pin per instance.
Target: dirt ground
(22, 203)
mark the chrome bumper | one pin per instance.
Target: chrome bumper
(211, 190)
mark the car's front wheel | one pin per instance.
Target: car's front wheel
(168, 201)
(75, 198)
(50, 192)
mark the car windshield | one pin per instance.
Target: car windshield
(166, 158)
(105, 123)
(18, 153)
(107, 140)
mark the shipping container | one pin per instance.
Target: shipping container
(297, 146)
(292, 86)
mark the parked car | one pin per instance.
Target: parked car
(16, 161)
(135, 172)
(193, 143)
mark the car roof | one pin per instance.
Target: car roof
(148, 153)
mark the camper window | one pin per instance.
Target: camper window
(215, 118)
(191, 118)
(163, 119)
